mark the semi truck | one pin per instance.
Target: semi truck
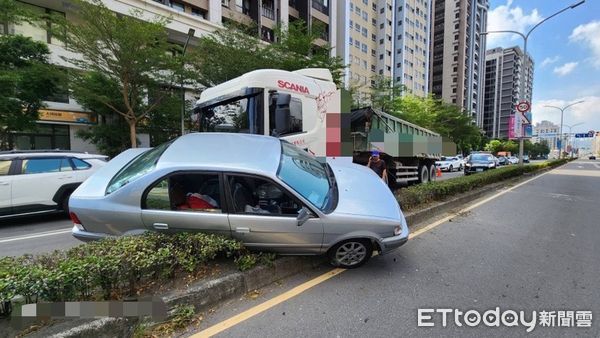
(305, 107)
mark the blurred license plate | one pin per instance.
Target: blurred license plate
(479, 169)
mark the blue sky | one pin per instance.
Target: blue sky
(566, 52)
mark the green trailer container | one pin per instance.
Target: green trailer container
(410, 151)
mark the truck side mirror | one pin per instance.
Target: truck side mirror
(282, 114)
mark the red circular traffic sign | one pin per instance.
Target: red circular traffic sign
(523, 106)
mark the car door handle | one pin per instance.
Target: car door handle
(242, 230)
(65, 177)
(160, 226)
(4, 183)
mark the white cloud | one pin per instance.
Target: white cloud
(586, 112)
(565, 69)
(549, 60)
(589, 34)
(506, 17)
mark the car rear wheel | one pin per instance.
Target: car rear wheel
(351, 253)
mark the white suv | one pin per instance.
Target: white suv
(42, 181)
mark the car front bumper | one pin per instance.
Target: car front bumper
(87, 236)
(472, 170)
(389, 244)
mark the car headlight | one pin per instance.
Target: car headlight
(467, 164)
(491, 165)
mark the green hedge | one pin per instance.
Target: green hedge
(111, 268)
(417, 195)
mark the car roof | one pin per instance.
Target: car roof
(224, 151)
(16, 154)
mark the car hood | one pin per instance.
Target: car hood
(362, 192)
(95, 185)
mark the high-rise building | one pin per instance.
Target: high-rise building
(365, 42)
(504, 76)
(546, 131)
(456, 62)
(411, 45)
(63, 118)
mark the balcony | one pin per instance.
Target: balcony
(268, 12)
(320, 6)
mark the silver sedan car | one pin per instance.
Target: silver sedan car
(263, 191)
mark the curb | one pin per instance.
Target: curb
(206, 294)
(202, 296)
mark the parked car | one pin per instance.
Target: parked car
(525, 158)
(513, 160)
(284, 200)
(449, 164)
(502, 160)
(42, 181)
(592, 157)
(479, 162)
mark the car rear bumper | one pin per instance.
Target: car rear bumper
(87, 236)
(389, 244)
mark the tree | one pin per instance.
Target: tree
(494, 146)
(231, 52)
(26, 76)
(132, 54)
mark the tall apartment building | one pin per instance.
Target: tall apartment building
(59, 122)
(504, 76)
(365, 42)
(546, 131)
(457, 48)
(411, 45)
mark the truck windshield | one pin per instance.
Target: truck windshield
(306, 175)
(241, 112)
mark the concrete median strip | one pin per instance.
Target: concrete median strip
(206, 294)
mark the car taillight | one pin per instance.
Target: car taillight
(76, 221)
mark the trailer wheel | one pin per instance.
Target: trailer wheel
(432, 173)
(423, 174)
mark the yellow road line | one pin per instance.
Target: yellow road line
(224, 325)
(233, 321)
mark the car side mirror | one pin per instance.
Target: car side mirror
(303, 216)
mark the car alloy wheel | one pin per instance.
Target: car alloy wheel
(451, 169)
(351, 254)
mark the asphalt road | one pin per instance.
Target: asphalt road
(534, 248)
(35, 234)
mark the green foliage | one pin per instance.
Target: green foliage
(534, 150)
(26, 78)
(418, 195)
(250, 260)
(110, 268)
(231, 52)
(123, 57)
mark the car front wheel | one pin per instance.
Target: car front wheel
(351, 253)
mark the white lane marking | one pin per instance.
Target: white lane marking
(37, 235)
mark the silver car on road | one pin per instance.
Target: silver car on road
(263, 191)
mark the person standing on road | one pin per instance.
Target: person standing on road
(378, 165)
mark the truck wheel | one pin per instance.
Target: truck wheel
(432, 173)
(423, 174)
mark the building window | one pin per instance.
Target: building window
(45, 136)
(199, 12)
(380, 56)
(364, 48)
(373, 37)
(177, 6)
(351, 24)
(365, 16)
(351, 7)
(364, 32)
(38, 31)
(374, 22)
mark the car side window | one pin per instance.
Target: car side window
(5, 167)
(41, 165)
(253, 195)
(65, 165)
(186, 192)
(80, 164)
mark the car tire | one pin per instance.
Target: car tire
(460, 168)
(351, 253)
(450, 169)
(423, 174)
(64, 203)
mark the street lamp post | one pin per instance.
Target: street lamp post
(570, 136)
(562, 111)
(526, 60)
(190, 33)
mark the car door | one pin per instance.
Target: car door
(5, 187)
(38, 181)
(264, 216)
(186, 201)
